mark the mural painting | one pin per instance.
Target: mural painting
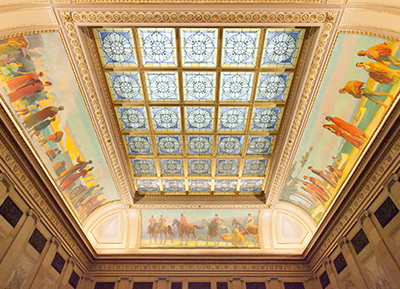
(182, 229)
(42, 93)
(360, 85)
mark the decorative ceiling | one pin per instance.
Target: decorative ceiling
(199, 108)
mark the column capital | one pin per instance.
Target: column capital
(343, 240)
(161, 279)
(34, 215)
(55, 241)
(327, 261)
(235, 278)
(363, 215)
(269, 279)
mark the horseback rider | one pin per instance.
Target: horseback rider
(218, 219)
(183, 221)
(152, 221)
(248, 222)
(162, 222)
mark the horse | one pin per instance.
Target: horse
(189, 230)
(165, 229)
(215, 230)
(152, 230)
(251, 230)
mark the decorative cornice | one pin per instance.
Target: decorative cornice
(202, 1)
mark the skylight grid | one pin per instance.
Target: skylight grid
(199, 108)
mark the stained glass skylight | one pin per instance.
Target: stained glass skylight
(199, 108)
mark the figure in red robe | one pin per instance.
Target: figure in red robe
(75, 177)
(354, 140)
(381, 53)
(41, 115)
(25, 78)
(79, 166)
(349, 128)
(30, 87)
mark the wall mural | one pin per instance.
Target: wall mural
(359, 87)
(45, 99)
(200, 229)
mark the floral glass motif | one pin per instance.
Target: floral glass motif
(148, 185)
(174, 186)
(259, 145)
(162, 86)
(169, 144)
(199, 144)
(165, 118)
(273, 87)
(236, 87)
(199, 46)
(255, 167)
(231, 145)
(240, 46)
(125, 87)
(282, 47)
(199, 87)
(133, 118)
(225, 186)
(144, 167)
(199, 186)
(266, 118)
(251, 186)
(227, 167)
(199, 118)
(232, 118)
(138, 144)
(116, 46)
(171, 167)
(199, 167)
(158, 46)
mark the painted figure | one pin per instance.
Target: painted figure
(354, 140)
(381, 53)
(218, 219)
(316, 189)
(55, 137)
(355, 88)
(323, 176)
(15, 44)
(22, 80)
(34, 119)
(380, 74)
(316, 182)
(27, 110)
(79, 166)
(336, 171)
(162, 220)
(68, 182)
(53, 153)
(41, 126)
(27, 89)
(347, 127)
(183, 221)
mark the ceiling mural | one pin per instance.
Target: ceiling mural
(44, 98)
(199, 108)
(359, 88)
(196, 229)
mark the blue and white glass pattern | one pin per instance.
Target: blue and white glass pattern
(133, 118)
(144, 167)
(199, 118)
(266, 118)
(199, 86)
(255, 167)
(240, 46)
(227, 167)
(158, 46)
(116, 46)
(199, 46)
(282, 47)
(199, 186)
(162, 86)
(225, 186)
(174, 186)
(165, 118)
(259, 145)
(199, 167)
(125, 87)
(232, 118)
(251, 186)
(138, 145)
(230, 145)
(169, 144)
(199, 144)
(148, 185)
(171, 167)
(236, 86)
(273, 87)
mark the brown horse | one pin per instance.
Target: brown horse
(251, 230)
(152, 230)
(164, 229)
(189, 230)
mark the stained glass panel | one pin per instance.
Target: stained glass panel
(169, 144)
(236, 86)
(165, 118)
(225, 186)
(240, 47)
(251, 186)
(144, 167)
(259, 145)
(282, 47)
(273, 86)
(171, 167)
(162, 86)
(255, 167)
(138, 145)
(158, 46)
(199, 118)
(199, 144)
(115, 46)
(199, 167)
(265, 119)
(148, 185)
(199, 47)
(199, 186)
(132, 118)
(231, 145)
(199, 86)
(125, 86)
(174, 186)
(232, 118)
(227, 167)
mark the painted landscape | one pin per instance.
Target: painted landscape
(43, 95)
(360, 85)
(181, 229)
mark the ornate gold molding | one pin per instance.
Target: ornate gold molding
(25, 2)
(202, 1)
(28, 25)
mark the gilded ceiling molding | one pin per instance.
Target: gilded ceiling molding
(202, 1)
(303, 108)
(37, 12)
(13, 2)
(9, 158)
